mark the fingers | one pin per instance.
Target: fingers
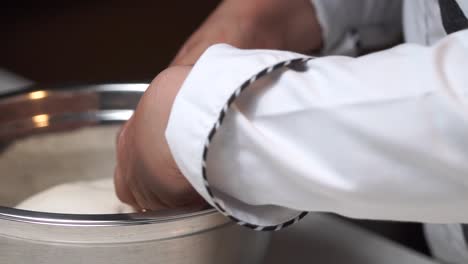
(121, 188)
(120, 178)
(146, 175)
(128, 176)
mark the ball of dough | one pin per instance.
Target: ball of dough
(83, 197)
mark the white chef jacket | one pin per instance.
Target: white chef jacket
(381, 136)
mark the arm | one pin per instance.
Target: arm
(255, 24)
(329, 26)
(382, 136)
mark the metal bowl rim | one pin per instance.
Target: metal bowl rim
(33, 217)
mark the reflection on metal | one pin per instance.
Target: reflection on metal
(41, 120)
(176, 236)
(37, 95)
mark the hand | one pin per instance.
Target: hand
(255, 24)
(146, 175)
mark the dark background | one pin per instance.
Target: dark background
(95, 41)
(115, 41)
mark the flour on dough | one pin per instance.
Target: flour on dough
(82, 197)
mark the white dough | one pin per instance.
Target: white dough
(83, 197)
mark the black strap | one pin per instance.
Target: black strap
(453, 17)
(465, 232)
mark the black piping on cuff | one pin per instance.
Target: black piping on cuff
(293, 64)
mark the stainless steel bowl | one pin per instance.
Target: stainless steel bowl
(171, 236)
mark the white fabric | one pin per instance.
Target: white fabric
(367, 23)
(198, 104)
(83, 197)
(422, 25)
(446, 242)
(347, 135)
(380, 137)
(372, 23)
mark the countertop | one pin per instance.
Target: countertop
(321, 238)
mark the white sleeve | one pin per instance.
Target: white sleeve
(11, 82)
(382, 136)
(348, 27)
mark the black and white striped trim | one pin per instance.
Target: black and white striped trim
(218, 203)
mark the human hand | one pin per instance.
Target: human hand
(255, 24)
(146, 175)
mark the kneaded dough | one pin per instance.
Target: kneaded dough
(82, 197)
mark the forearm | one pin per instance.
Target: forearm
(256, 24)
(285, 25)
(359, 137)
(382, 136)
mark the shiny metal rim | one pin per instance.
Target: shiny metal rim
(102, 116)
(25, 216)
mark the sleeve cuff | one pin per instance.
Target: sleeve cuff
(218, 77)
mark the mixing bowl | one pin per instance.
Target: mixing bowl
(53, 135)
